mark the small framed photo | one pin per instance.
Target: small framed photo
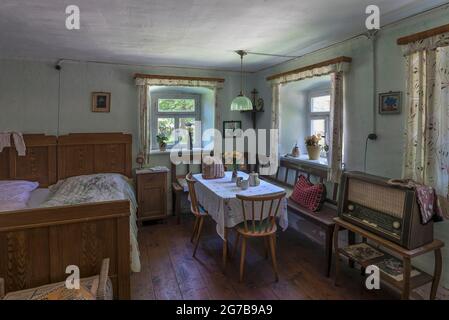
(229, 128)
(390, 102)
(101, 101)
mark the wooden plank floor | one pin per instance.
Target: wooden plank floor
(170, 272)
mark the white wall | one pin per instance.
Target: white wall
(29, 96)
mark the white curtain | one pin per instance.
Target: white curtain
(426, 154)
(337, 72)
(143, 91)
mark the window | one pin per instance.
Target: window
(320, 105)
(174, 111)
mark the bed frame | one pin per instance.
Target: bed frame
(37, 245)
(39, 163)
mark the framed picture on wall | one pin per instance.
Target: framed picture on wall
(390, 102)
(101, 101)
(229, 127)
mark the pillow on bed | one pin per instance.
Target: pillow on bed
(14, 194)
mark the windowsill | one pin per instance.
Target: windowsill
(168, 151)
(304, 158)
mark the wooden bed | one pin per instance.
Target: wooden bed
(36, 245)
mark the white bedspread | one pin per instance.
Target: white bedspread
(97, 188)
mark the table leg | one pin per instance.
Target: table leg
(406, 285)
(225, 248)
(436, 273)
(337, 254)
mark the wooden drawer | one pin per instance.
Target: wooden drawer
(152, 178)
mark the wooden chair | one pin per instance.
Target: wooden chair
(257, 225)
(198, 211)
(100, 286)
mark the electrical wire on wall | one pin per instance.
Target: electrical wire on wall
(58, 67)
(372, 35)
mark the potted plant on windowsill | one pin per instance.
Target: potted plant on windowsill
(313, 146)
(162, 141)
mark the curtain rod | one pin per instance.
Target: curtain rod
(423, 35)
(310, 67)
(157, 76)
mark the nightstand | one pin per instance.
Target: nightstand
(151, 195)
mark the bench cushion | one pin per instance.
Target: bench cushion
(309, 195)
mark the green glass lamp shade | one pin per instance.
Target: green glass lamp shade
(241, 103)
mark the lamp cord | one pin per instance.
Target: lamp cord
(241, 74)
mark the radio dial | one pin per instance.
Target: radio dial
(396, 225)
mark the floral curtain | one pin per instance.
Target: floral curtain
(426, 156)
(143, 121)
(336, 128)
(316, 72)
(337, 72)
(143, 86)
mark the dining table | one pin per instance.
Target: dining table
(218, 198)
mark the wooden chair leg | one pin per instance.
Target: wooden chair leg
(273, 256)
(242, 258)
(195, 227)
(200, 227)
(237, 239)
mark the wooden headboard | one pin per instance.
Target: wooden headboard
(88, 153)
(39, 163)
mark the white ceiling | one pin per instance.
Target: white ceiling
(197, 33)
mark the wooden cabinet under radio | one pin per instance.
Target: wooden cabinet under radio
(389, 211)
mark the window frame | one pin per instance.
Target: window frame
(320, 115)
(155, 114)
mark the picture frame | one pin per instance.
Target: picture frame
(101, 101)
(229, 127)
(390, 102)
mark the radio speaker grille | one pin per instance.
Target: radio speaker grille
(376, 197)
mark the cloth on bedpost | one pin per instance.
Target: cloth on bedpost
(19, 143)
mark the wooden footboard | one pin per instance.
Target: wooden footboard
(37, 245)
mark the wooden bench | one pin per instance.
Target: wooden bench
(287, 175)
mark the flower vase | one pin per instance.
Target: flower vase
(234, 174)
(314, 152)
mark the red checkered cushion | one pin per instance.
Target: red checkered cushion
(309, 195)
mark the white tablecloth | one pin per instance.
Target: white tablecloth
(218, 197)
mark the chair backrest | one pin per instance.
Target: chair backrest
(258, 222)
(192, 193)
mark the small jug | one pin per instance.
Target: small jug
(254, 179)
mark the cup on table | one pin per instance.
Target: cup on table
(244, 184)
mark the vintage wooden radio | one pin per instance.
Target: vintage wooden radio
(391, 212)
